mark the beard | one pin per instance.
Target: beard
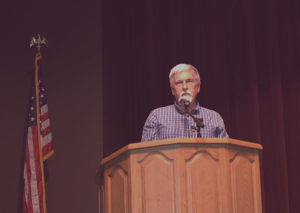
(185, 96)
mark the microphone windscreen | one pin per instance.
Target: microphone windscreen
(184, 102)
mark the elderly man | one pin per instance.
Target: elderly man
(185, 118)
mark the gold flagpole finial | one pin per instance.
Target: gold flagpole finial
(38, 42)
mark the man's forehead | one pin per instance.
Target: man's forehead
(184, 74)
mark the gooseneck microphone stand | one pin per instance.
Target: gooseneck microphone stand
(198, 121)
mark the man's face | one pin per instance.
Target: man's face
(185, 85)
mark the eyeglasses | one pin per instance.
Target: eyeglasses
(187, 82)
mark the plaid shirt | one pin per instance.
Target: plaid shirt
(171, 122)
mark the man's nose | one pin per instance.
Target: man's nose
(184, 86)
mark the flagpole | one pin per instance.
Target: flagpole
(38, 57)
(38, 42)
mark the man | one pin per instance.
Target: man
(173, 121)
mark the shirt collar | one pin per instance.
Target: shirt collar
(194, 111)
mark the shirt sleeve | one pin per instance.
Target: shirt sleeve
(220, 129)
(151, 128)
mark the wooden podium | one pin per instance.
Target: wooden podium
(183, 175)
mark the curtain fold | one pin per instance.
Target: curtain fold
(248, 55)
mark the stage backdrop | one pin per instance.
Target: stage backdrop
(247, 53)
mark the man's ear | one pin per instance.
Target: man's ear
(172, 90)
(199, 87)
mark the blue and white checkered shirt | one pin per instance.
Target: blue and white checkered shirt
(172, 122)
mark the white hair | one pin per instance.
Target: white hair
(183, 67)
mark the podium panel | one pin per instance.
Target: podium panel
(183, 175)
(203, 169)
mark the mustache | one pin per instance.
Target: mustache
(188, 92)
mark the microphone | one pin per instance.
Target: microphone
(184, 102)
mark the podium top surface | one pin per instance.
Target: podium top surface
(172, 141)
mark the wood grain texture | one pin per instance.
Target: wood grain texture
(184, 177)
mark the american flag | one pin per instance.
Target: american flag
(39, 147)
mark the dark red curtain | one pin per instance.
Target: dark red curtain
(248, 55)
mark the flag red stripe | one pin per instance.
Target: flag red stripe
(25, 209)
(44, 116)
(38, 169)
(47, 148)
(46, 131)
(28, 207)
(28, 173)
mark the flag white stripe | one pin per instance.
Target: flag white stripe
(45, 124)
(44, 109)
(26, 185)
(33, 181)
(46, 139)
